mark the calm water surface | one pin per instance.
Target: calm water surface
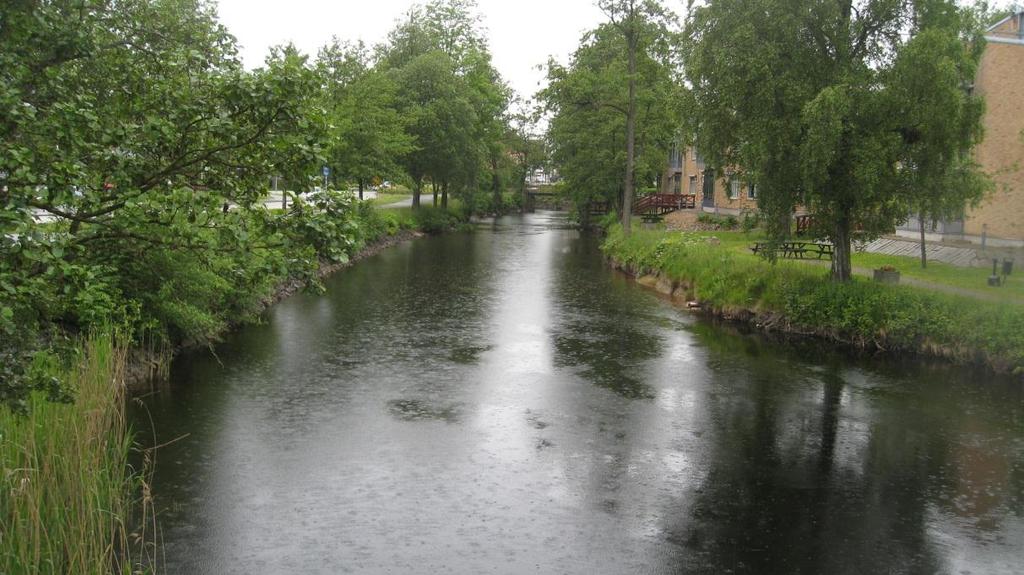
(502, 402)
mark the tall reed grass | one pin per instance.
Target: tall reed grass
(66, 491)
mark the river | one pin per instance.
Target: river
(503, 402)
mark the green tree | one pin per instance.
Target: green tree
(451, 96)
(589, 108)
(366, 137)
(133, 123)
(936, 170)
(803, 98)
(438, 119)
(642, 25)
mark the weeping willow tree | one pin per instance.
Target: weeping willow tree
(856, 110)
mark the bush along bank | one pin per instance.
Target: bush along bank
(367, 230)
(199, 272)
(795, 298)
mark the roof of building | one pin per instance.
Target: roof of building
(1009, 30)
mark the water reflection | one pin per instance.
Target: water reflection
(503, 402)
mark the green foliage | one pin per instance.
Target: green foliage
(376, 223)
(608, 220)
(135, 126)
(750, 220)
(860, 312)
(854, 110)
(366, 134)
(64, 473)
(451, 97)
(588, 101)
(436, 220)
(726, 222)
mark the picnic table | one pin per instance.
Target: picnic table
(796, 249)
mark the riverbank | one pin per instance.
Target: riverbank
(67, 487)
(146, 365)
(793, 298)
(69, 493)
(294, 285)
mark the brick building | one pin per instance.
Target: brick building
(723, 193)
(1000, 79)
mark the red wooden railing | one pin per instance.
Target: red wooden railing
(664, 203)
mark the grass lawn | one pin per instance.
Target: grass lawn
(973, 279)
(384, 199)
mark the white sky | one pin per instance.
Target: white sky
(522, 33)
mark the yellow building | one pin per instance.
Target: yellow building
(999, 220)
(725, 193)
(1000, 80)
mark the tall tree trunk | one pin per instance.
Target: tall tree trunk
(842, 269)
(924, 246)
(444, 194)
(496, 186)
(433, 188)
(522, 195)
(360, 188)
(417, 187)
(627, 191)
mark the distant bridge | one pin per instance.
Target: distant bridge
(652, 207)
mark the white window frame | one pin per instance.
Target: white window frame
(733, 189)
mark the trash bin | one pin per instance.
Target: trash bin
(1007, 267)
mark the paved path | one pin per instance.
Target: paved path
(957, 256)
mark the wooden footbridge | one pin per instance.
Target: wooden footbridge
(653, 207)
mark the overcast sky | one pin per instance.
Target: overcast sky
(522, 33)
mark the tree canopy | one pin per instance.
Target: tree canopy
(136, 152)
(451, 95)
(589, 106)
(841, 107)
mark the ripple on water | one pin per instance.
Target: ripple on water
(419, 410)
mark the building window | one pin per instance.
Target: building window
(752, 191)
(677, 184)
(734, 188)
(693, 185)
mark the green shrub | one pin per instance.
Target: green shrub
(727, 222)
(751, 219)
(433, 220)
(375, 223)
(608, 220)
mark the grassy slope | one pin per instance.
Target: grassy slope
(960, 278)
(728, 277)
